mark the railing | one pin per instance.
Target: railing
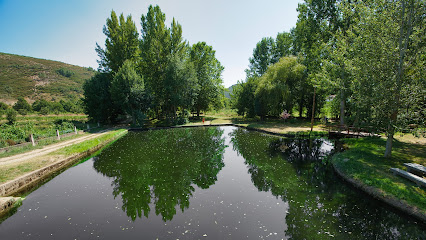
(34, 142)
(354, 130)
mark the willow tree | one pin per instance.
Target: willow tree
(279, 86)
(387, 45)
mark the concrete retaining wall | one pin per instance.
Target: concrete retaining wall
(401, 205)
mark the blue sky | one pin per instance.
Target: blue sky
(67, 31)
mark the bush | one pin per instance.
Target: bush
(22, 106)
(11, 115)
(65, 72)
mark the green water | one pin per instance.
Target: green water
(206, 183)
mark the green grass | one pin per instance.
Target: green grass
(86, 145)
(364, 161)
(40, 144)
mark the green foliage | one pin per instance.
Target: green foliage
(65, 72)
(97, 99)
(385, 47)
(11, 115)
(45, 107)
(121, 43)
(22, 106)
(209, 71)
(243, 97)
(128, 91)
(3, 108)
(263, 56)
(278, 87)
(158, 75)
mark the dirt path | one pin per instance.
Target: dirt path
(46, 149)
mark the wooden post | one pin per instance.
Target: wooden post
(57, 134)
(32, 139)
(75, 130)
(313, 111)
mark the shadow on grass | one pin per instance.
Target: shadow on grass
(365, 161)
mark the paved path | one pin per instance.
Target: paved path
(46, 149)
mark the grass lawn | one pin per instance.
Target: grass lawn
(364, 161)
(270, 124)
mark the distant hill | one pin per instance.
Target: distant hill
(228, 91)
(34, 78)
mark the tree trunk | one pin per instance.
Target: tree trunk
(313, 111)
(388, 151)
(342, 107)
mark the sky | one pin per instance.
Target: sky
(68, 31)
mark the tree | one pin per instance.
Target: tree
(277, 87)
(243, 97)
(317, 21)
(22, 106)
(97, 99)
(387, 46)
(209, 71)
(128, 92)
(157, 45)
(181, 87)
(121, 43)
(284, 45)
(263, 56)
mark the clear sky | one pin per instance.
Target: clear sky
(67, 31)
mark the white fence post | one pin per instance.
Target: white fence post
(57, 134)
(32, 139)
(75, 130)
(88, 127)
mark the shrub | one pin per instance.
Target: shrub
(10, 142)
(22, 105)
(65, 72)
(11, 115)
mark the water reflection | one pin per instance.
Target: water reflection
(160, 167)
(320, 205)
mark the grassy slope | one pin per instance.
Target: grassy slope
(364, 161)
(34, 78)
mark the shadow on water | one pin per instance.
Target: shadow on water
(320, 204)
(160, 168)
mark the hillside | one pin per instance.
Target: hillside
(228, 91)
(35, 78)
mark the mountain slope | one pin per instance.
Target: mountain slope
(35, 78)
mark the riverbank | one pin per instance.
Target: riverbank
(364, 166)
(19, 175)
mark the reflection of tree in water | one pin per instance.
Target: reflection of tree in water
(161, 166)
(320, 206)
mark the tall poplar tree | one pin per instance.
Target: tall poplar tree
(209, 71)
(121, 43)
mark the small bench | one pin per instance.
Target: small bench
(415, 168)
(418, 180)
